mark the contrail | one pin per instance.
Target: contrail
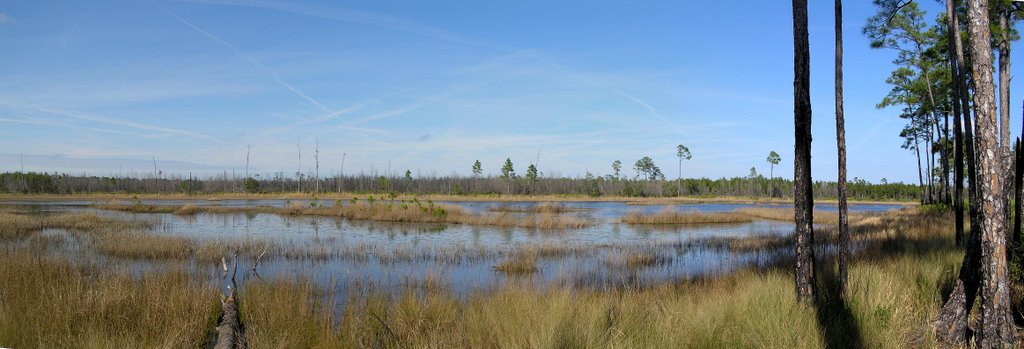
(115, 122)
(252, 60)
(362, 17)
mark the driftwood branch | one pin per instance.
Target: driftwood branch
(258, 258)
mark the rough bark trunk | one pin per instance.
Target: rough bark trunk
(951, 324)
(803, 199)
(844, 229)
(995, 325)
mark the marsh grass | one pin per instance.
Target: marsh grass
(897, 283)
(521, 262)
(671, 216)
(787, 214)
(904, 266)
(404, 211)
(544, 207)
(51, 302)
(123, 239)
(632, 258)
(891, 305)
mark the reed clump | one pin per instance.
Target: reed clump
(635, 259)
(671, 216)
(544, 207)
(187, 210)
(520, 262)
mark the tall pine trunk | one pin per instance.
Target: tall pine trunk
(951, 323)
(1004, 105)
(844, 231)
(953, 35)
(803, 199)
(995, 325)
(1017, 182)
(920, 177)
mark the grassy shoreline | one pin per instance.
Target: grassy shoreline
(55, 298)
(432, 197)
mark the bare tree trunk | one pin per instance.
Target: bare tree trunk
(930, 160)
(844, 230)
(1018, 181)
(803, 198)
(920, 178)
(958, 150)
(958, 161)
(947, 198)
(931, 137)
(995, 325)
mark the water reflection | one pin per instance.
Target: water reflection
(461, 257)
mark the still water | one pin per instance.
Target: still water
(400, 256)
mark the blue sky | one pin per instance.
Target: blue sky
(431, 86)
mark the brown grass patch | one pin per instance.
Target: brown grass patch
(671, 216)
(408, 211)
(53, 303)
(544, 207)
(522, 262)
(787, 214)
(187, 210)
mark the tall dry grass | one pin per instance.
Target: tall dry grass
(544, 207)
(671, 216)
(409, 211)
(125, 239)
(787, 214)
(896, 287)
(52, 302)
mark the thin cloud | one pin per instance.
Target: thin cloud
(5, 18)
(361, 17)
(43, 122)
(277, 78)
(416, 106)
(111, 121)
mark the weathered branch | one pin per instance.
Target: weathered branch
(258, 258)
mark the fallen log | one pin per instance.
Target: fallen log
(229, 330)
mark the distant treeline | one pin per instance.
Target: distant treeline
(44, 183)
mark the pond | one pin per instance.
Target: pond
(462, 258)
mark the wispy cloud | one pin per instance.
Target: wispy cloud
(45, 122)
(361, 17)
(5, 18)
(426, 101)
(112, 121)
(277, 78)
